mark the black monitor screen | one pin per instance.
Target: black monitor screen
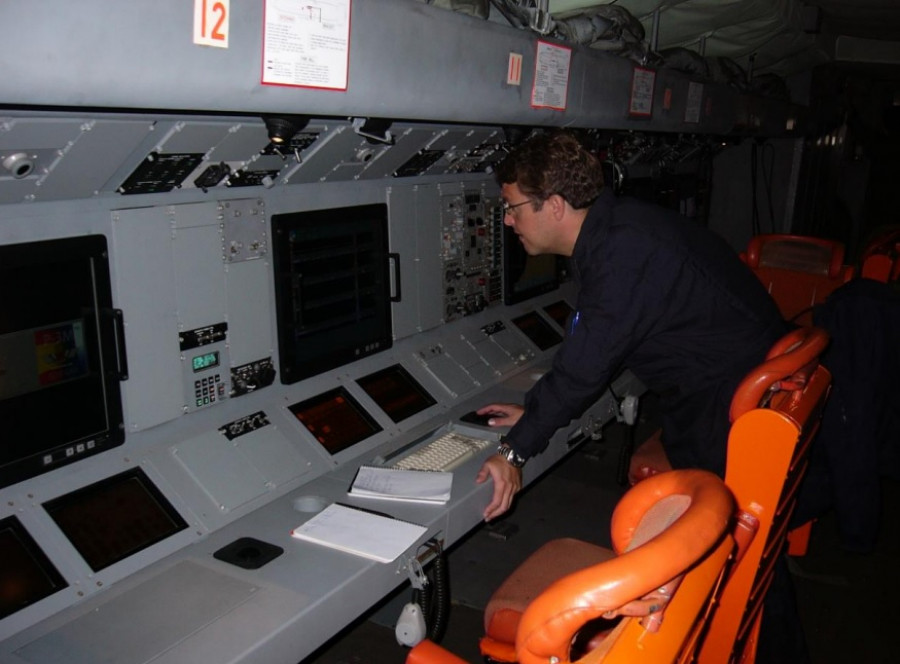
(538, 330)
(60, 355)
(396, 392)
(527, 276)
(115, 518)
(336, 419)
(332, 290)
(26, 575)
(559, 312)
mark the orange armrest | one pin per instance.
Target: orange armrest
(428, 652)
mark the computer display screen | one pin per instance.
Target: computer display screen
(115, 518)
(336, 419)
(538, 330)
(61, 355)
(559, 311)
(527, 276)
(396, 392)
(26, 575)
(332, 288)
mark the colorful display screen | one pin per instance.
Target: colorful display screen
(336, 419)
(61, 355)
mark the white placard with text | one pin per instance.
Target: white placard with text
(306, 43)
(551, 76)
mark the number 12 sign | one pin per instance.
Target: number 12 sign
(211, 22)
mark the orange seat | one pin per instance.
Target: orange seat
(650, 458)
(776, 413)
(880, 259)
(798, 271)
(668, 532)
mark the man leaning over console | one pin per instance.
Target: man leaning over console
(657, 294)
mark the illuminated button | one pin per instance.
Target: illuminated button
(70, 452)
(199, 402)
(80, 448)
(47, 460)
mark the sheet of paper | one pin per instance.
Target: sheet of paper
(359, 532)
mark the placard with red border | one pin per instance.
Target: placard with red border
(306, 44)
(643, 82)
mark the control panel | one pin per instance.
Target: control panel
(161, 329)
(470, 254)
(204, 365)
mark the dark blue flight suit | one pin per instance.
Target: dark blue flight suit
(671, 301)
(668, 299)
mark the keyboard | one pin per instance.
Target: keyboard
(444, 453)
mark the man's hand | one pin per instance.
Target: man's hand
(502, 414)
(507, 482)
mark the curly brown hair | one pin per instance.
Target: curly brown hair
(553, 163)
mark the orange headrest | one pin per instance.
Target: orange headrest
(793, 357)
(795, 252)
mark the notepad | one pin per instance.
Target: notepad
(419, 486)
(359, 532)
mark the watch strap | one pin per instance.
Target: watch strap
(514, 459)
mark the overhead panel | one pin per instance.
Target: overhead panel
(338, 150)
(408, 61)
(272, 164)
(62, 158)
(408, 148)
(201, 138)
(454, 145)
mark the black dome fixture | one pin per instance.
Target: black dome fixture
(282, 128)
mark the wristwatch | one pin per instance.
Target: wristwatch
(512, 457)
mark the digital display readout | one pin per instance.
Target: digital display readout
(205, 361)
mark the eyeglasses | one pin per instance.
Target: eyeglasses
(508, 209)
